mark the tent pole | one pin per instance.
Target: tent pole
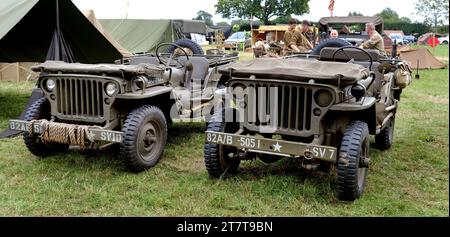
(58, 33)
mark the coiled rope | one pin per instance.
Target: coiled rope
(62, 133)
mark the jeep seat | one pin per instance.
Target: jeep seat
(199, 71)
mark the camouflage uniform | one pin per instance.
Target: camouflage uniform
(375, 42)
(296, 37)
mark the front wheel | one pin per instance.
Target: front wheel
(144, 138)
(353, 161)
(40, 109)
(219, 159)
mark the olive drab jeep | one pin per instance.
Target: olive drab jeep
(320, 110)
(130, 104)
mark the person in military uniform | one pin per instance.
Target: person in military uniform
(307, 32)
(294, 40)
(375, 39)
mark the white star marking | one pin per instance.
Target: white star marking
(277, 147)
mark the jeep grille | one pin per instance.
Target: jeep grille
(290, 107)
(79, 99)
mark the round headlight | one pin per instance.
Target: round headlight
(323, 98)
(50, 84)
(111, 89)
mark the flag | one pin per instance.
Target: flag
(331, 7)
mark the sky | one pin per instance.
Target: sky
(187, 9)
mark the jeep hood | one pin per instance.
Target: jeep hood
(299, 70)
(125, 71)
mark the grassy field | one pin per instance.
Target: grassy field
(411, 179)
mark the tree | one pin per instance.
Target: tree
(405, 19)
(261, 9)
(433, 11)
(389, 15)
(355, 14)
(281, 20)
(204, 16)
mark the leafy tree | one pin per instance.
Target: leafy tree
(433, 11)
(204, 16)
(261, 9)
(244, 25)
(281, 20)
(355, 14)
(389, 15)
(405, 19)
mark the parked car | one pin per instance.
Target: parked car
(397, 38)
(408, 39)
(443, 40)
(237, 39)
(320, 111)
(131, 104)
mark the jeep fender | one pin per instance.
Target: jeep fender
(365, 110)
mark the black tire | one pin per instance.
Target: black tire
(217, 163)
(385, 138)
(144, 138)
(352, 175)
(40, 109)
(187, 43)
(336, 43)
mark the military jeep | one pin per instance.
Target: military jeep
(320, 110)
(131, 104)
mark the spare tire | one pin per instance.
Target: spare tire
(337, 43)
(186, 43)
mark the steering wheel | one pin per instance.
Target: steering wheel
(174, 57)
(353, 47)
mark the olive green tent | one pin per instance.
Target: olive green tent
(140, 36)
(36, 30)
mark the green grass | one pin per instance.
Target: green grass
(411, 179)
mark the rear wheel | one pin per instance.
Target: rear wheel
(217, 157)
(144, 138)
(40, 109)
(385, 138)
(353, 161)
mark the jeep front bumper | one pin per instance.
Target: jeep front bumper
(273, 147)
(94, 134)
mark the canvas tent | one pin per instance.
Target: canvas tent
(422, 56)
(36, 30)
(90, 15)
(140, 36)
(188, 27)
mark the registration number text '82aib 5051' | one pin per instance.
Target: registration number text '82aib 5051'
(276, 147)
(227, 139)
